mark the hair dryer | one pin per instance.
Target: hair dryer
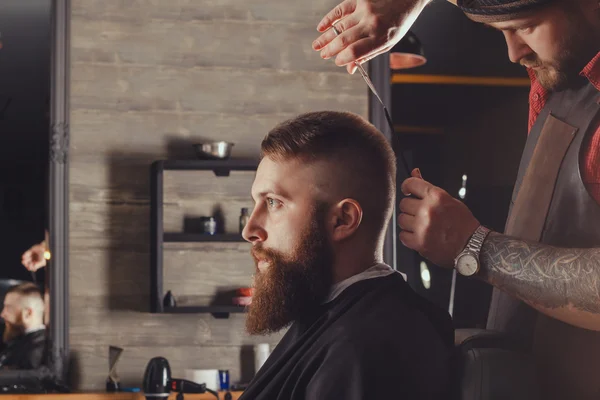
(158, 383)
(157, 379)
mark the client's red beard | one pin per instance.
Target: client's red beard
(293, 286)
(12, 331)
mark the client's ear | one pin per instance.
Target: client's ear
(26, 312)
(347, 215)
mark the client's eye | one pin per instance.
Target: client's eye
(273, 203)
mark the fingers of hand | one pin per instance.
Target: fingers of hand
(416, 186)
(343, 9)
(361, 48)
(340, 42)
(26, 257)
(27, 264)
(35, 265)
(323, 40)
(407, 222)
(416, 173)
(410, 206)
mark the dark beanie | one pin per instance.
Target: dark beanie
(488, 11)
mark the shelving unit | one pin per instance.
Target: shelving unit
(216, 311)
(221, 168)
(200, 237)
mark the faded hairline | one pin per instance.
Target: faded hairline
(30, 296)
(310, 139)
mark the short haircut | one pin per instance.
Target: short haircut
(365, 160)
(31, 296)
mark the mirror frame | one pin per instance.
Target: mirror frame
(52, 375)
(58, 188)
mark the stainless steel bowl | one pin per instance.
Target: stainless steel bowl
(213, 150)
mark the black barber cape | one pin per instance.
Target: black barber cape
(377, 340)
(25, 352)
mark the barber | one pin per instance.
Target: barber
(546, 266)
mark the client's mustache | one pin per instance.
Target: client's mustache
(260, 253)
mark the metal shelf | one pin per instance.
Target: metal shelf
(221, 168)
(201, 237)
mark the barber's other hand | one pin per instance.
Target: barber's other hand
(434, 223)
(33, 259)
(368, 28)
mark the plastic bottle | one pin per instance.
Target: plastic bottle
(210, 226)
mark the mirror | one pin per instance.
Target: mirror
(33, 190)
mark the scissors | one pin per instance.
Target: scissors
(395, 140)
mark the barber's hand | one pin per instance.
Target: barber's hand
(434, 223)
(368, 28)
(33, 259)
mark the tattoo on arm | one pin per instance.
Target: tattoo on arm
(543, 275)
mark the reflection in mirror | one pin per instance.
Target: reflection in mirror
(25, 41)
(24, 336)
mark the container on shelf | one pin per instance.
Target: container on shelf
(210, 226)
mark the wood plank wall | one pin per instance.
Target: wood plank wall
(150, 77)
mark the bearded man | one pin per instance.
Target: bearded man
(324, 192)
(545, 268)
(25, 333)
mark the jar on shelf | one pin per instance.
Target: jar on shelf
(210, 226)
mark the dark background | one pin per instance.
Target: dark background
(24, 133)
(478, 130)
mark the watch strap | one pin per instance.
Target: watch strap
(476, 241)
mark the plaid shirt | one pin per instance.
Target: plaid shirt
(590, 163)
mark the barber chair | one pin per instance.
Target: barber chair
(492, 366)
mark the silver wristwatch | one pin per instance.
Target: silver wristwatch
(467, 262)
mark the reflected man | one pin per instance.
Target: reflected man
(25, 332)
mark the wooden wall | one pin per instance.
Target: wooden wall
(150, 77)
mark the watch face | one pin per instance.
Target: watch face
(467, 264)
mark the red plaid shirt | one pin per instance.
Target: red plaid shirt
(590, 164)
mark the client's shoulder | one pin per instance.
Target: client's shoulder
(387, 308)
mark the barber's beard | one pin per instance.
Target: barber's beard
(578, 47)
(292, 286)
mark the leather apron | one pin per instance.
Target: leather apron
(551, 205)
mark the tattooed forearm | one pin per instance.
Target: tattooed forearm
(542, 275)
